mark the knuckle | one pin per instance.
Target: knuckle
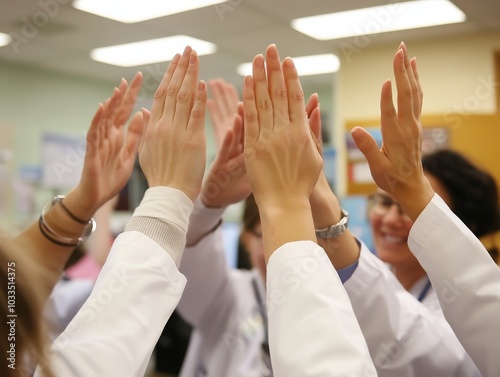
(183, 97)
(266, 105)
(297, 96)
(160, 92)
(250, 117)
(172, 90)
(280, 94)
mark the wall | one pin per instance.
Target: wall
(456, 76)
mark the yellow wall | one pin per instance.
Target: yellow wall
(457, 76)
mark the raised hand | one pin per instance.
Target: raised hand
(111, 151)
(396, 167)
(227, 182)
(221, 107)
(173, 148)
(281, 157)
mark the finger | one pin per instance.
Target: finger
(188, 92)
(368, 146)
(251, 118)
(169, 107)
(134, 135)
(420, 91)
(161, 91)
(388, 115)
(296, 106)
(237, 129)
(241, 113)
(315, 125)
(224, 153)
(231, 96)
(262, 99)
(94, 132)
(405, 100)
(215, 122)
(128, 100)
(146, 115)
(277, 87)
(413, 83)
(197, 118)
(312, 103)
(109, 111)
(217, 109)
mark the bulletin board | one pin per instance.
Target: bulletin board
(476, 136)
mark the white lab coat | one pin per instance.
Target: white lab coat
(312, 328)
(465, 278)
(139, 286)
(219, 301)
(222, 306)
(405, 337)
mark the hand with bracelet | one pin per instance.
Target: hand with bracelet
(330, 220)
(109, 159)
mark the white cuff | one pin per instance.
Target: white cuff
(166, 204)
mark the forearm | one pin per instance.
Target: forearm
(315, 304)
(392, 319)
(342, 250)
(466, 277)
(46, 253)
(202, 222)
(288, 221)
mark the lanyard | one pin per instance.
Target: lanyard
(424, 292)
(265, 354)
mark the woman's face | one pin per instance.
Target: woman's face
(255, 247)
(391, 226)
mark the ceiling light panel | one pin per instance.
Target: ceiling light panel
(5, 39)
(131, 11)
(151, 51)
(380, 19)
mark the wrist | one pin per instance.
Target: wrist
(413, 199)
(75, 202)
(325, 206)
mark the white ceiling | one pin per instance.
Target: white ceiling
(241, 29)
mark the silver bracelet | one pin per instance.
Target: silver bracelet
(55, 237)
(335, 230)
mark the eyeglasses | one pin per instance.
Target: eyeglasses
(380, 204)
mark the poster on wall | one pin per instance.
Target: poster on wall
(62, 160)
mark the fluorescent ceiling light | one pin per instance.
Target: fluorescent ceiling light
(5, 39)
(130, 11)
(306, 65)
(152, 51)
(381, 19)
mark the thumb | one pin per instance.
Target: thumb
(368, 146)
(134, 133)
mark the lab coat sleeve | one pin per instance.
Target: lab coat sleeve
(117, 328)
(465, 278)
(205, 267)
(312, 328)
(404, 337)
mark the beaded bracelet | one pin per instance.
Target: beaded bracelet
(55, 237)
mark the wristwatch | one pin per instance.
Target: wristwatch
(336, 229)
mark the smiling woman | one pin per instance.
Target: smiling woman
(470, 192)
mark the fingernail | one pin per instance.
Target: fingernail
(192, 58)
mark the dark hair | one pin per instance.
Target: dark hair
(251, 218)
(473, 192)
